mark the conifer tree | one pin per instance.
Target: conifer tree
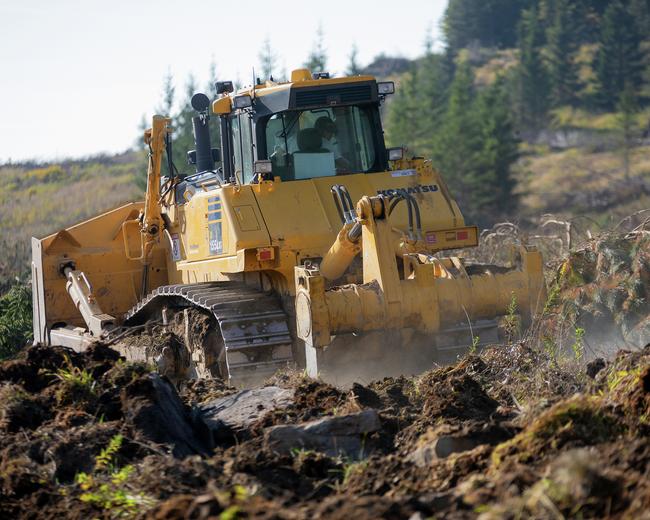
(268, 60)
(640, 10)
(493, 184)
(489, 23)
(183, 135)
(317, 59)
(166, 106)
(353, 64)
(401, 125)
(627, 107)
(431, 101)
(531, 74)
(619, 59)
(561, 50)
(458, 142)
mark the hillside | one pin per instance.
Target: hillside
(37, 200)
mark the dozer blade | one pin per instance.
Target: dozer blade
(256, 341)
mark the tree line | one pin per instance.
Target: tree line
(472, 130)
(567, 53)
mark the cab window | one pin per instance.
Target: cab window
(243, 147)
(322, 142)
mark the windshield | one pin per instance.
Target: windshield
(321, 142)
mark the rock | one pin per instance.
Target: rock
(339, 435)
(445, 440)
(640, 334)
(227, 416)
(156, 413)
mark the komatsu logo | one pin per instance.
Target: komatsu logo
(420, 188)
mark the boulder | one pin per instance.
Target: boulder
(231, 415)
(156, 413)
(343, 435)
(441, 442)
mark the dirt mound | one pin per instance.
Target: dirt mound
(509, 433)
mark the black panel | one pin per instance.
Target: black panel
(346, 94)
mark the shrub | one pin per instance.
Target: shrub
(15, 320)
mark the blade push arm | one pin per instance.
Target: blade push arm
(154, 137)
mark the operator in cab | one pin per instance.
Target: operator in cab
(327, 129)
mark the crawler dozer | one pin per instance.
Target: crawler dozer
(302, 240)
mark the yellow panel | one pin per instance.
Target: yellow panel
(242, 224)
(246, 218)
(301, 215)
(96, 247)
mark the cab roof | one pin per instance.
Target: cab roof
(303, 92)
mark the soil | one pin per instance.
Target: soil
(577, 446)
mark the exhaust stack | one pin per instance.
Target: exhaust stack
(203, 156)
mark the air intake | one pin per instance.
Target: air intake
(346, 95)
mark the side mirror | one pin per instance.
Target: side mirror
(191, 157)
(216, 156)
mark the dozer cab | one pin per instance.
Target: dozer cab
(302, 238)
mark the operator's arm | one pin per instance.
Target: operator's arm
(342, 164)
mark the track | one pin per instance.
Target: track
(254, 329)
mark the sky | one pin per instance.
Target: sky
(77, 76)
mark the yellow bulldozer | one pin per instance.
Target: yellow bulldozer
(302, 239)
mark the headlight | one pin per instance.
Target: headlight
(224, 87)
(386, 87)
(243, 101)
(263, 167)
(395, 154)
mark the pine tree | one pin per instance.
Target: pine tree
(183, 136)
(461, 24)
(401, 127)
(561, 52)
(493, 184)
(640, 10)
(268, 59)
(531, 74)
(353, 65)
(619, 59)
(211, 87)
(166, 107)
(627, 107)
(431, 101)
(457, 144)
(489, 23)
(317, 59)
